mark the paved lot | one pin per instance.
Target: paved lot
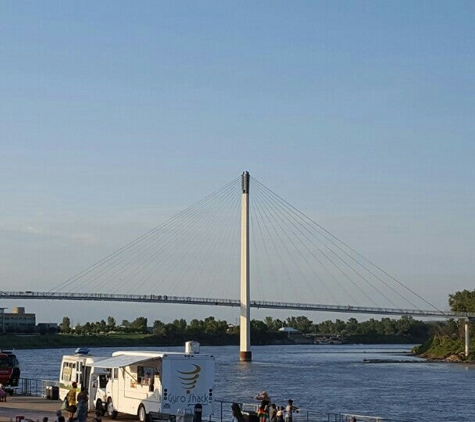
(35, 408)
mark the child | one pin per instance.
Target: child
(98, 417)
(3, 394)
(59, 416)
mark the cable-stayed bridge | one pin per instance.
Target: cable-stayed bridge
(233, 303)
(194, 259)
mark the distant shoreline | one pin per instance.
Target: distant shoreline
(56, 341)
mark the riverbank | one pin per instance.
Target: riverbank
(445, 349)
(52, 341)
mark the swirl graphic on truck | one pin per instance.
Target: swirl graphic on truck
(190, 378)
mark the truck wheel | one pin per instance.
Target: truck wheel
(142, 414)
(110, 409)
(100, 406)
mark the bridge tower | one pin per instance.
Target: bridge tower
(245, 354)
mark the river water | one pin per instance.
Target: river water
(326, 378)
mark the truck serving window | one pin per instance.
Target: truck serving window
(145, 375)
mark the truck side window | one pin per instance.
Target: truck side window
(66, 376)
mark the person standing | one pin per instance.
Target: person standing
(272, 413)
(237, 414)
(289, 410)
(3, 393)
(82, 399)
(264, 398)
(71, 398)
(262, 413)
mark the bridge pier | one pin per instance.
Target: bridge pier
(245, 354)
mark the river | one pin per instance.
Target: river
(327, 378)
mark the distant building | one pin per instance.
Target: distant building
(290, 331)
(18, 321)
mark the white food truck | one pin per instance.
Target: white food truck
(80, 368)
(144, 382)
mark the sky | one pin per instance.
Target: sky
(115, 116)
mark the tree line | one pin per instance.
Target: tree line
(404, 327)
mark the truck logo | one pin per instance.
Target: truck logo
(190, 378)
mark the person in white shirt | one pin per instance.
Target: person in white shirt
(289, 410)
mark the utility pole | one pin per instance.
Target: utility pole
(467, 336)
(245, 354)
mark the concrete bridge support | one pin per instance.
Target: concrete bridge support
(245, 354)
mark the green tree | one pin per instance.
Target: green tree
(139, 325)
(180, 325)
(111, 323)
(269, 322)
(259, 331)
(463, 301)
(326, 327)
(79, 329)
(301, 323)
(101, 326)
(88, 327)
(65, 326)
(404, 324)
(352, 326)
(340, 326)
(159, 329)
(196, 326)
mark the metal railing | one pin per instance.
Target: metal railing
(34, 387)
(222, 408)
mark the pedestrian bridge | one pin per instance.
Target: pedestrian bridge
(103, 297)
(195, 258)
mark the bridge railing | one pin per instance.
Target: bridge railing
(153, 298)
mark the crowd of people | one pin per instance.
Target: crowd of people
(270, 412)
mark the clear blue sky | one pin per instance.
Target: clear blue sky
(115, 116)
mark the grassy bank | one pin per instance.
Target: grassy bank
(445, 348)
